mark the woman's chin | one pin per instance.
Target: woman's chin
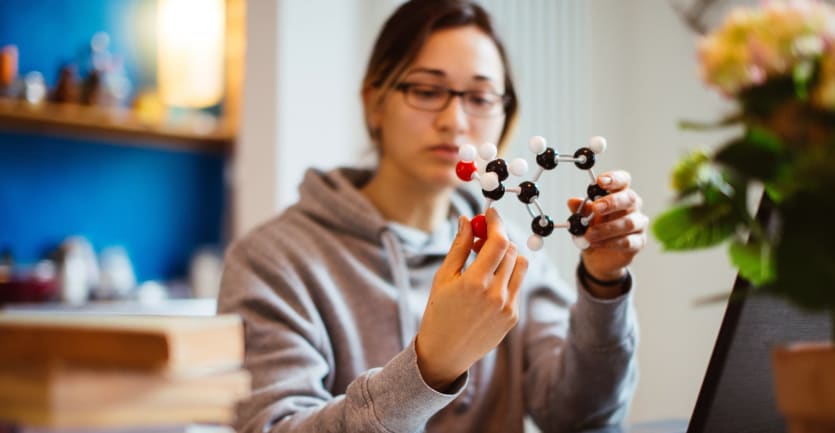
(441, 181)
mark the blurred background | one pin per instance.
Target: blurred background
(139, 137)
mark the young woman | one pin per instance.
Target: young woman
(365, 307)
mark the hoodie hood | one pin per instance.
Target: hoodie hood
(333, 199)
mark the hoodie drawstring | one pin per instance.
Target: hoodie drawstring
(400, 274)
(408, 326)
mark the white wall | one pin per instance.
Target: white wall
(253, 173)
(646, 80)
(321, 66)
(305, 61)
(633, 77)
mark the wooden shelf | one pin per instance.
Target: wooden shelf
(110, 124)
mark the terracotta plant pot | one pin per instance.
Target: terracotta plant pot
(804, 378)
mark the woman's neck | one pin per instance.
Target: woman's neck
(403, 199)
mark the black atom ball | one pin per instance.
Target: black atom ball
(529, 191)
(595, 191)
(576, 227)
(498, 166)
(545, 230)
(495, 194)
(547, 159)
(585, 151)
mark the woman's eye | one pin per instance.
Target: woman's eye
(427, 92)
(480, 98)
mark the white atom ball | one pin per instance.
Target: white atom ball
(518, 167)
(489, 181)
(537, 144)
(535, 243)
(467, 153)
(597, 144)
(581, 242)
(487, 151)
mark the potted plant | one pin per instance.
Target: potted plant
(777, 63)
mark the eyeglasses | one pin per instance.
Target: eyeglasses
(428, 97)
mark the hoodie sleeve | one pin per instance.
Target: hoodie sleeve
(288, 359)
(580, 366)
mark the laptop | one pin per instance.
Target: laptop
(737, 393)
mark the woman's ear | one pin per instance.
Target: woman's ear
(373, 108)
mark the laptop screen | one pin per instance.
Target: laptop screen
(737, 394)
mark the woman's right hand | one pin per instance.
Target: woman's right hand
(469, 311)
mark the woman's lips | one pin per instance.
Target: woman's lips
(446, 151)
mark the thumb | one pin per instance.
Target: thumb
(460, 249)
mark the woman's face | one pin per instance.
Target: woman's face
(424, 144)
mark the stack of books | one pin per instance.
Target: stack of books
(71, 372)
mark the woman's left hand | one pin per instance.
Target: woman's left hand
(617, 232)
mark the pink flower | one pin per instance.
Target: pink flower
(755, 44)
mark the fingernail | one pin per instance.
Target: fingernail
(605, 180)
(460, 223)
(600, 207)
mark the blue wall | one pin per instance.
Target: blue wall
(159, 204)
(51, 33)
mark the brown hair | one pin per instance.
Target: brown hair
(404, 34)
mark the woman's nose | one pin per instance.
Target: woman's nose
(453, 117)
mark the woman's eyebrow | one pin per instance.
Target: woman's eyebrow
(436, 72)
(441, 74)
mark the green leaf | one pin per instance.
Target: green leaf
(754, 260)
(764, 138)
(734, 119)
(805, 255)
(754, 156)
(688, 173)
(695, 226)
(719, 190)
(802, 75)
(775, 194)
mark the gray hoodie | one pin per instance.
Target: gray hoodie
(331, 295)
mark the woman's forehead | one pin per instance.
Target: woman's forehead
(461, 54)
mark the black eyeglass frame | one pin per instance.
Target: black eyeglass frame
(504, 99)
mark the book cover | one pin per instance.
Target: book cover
(166, 343)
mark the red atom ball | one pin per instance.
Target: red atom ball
(479, 225)
(465, 170)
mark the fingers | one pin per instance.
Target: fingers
(507, 282)
(515, 283)
(631, 243)
(574, 204)
(620, 198)
(614, 180)
(505, 271)
(494, 248)
(460, 249)
(630, 223)
(623, 200)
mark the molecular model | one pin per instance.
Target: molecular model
(496, 172)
